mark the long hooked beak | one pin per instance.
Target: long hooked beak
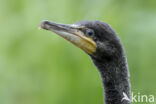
(71, 33)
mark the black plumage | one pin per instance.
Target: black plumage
(109, 58)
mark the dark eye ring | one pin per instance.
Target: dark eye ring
(90, 33)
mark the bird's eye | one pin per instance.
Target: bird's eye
(90, 32)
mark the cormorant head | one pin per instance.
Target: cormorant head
(96, 38)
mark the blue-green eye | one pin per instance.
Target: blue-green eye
(90, 33)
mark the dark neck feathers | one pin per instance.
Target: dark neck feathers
(115, 78)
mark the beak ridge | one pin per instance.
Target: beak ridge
(71, 33)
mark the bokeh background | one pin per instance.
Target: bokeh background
(39, 67)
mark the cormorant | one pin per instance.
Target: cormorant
(104, 47)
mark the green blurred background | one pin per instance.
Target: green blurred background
(39, 67)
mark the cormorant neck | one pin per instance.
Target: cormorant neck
(115, 78)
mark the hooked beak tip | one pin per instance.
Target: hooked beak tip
(72, 33)
(43, 24)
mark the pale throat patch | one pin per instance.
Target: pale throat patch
(78, 41)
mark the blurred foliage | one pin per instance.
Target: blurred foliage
(38, 67)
